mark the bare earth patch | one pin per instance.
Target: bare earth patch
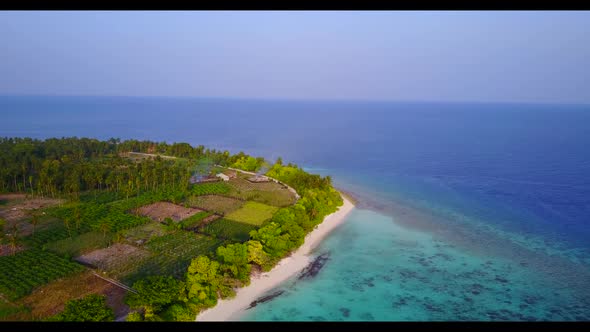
(162, 210)
(16, 210)
(5, 250)
(113, 257)
(17, 205)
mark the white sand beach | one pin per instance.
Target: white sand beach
(227, 310)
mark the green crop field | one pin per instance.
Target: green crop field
(24, 271)
(214, 203)
(144, 233)
(80, 244)
(195, 220)
(253, 213)
(172, 254)
(229, 229)
(56, 232)
(209, 188)
(270, 193)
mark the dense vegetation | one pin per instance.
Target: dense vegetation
(183, 266)
(229, 229)
(91, 308)
(72, 165)
(22, 272)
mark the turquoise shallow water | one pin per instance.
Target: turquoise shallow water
(470, 191)
(380, 271)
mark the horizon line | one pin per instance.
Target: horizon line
(352, 100)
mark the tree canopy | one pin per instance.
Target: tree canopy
(91, 308)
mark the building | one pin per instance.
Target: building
(223, 176)
(258, 178)
(231, 173)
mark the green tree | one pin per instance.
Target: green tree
(104, 226)
(2, 225)
(14, 238)
(134, 317)
(91, 308)
(156, 292)
(204, 283)
(235, 260)
(257, 255)
(179, 313)
(35, 217)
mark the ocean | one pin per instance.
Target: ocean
(466, 211)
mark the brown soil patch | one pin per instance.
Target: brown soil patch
(18, 206)
(6, 250)
(162, 210)
(113, 257)
(50, 299)
(9, 197)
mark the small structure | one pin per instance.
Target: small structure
(231, 173)
(258, 178)
(223, 176)
(203, 178)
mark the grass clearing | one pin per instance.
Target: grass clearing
(142, 234)
(195, 220)
(80, 244)
(214, 203)
(50, 299)
(270, 193)
(253, 213)
(229, 229)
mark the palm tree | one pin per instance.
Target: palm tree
(34, 219)
(2, 224)
(104, 226)
(14, 239)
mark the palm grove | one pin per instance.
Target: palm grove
(89, 172)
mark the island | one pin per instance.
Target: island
(103, 230)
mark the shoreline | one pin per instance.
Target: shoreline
(229, 309)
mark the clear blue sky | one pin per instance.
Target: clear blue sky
(446, 56)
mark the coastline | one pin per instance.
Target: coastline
(229, 309)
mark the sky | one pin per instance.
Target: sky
(504, 56)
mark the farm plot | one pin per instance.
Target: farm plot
(173, 254)
(162, 210)
(24, 271)
(80, 244)
(142, 234)
(18, 211)
(58, 231)
(229, 229)
(197, 220)
(270, 193)
(16, 206)
(117, 260)
(253, 213)
(210, 188)
(215, 203)
(50, 299)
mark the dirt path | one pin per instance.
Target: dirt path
(148, 155)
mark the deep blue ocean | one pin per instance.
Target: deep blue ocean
(466, 211)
